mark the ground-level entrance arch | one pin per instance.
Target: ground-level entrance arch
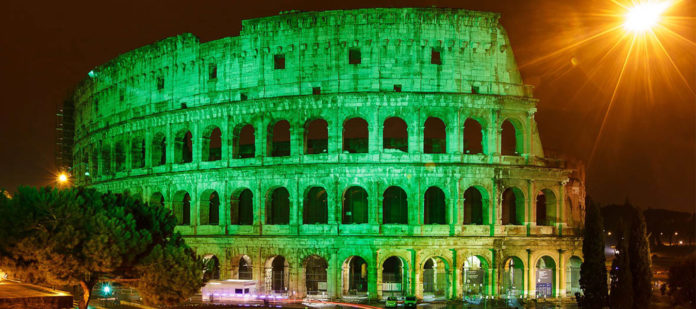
(436, 279)
(354, 277)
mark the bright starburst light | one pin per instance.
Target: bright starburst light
(627, 47)
(644, 16)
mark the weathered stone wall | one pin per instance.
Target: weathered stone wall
(133, 115)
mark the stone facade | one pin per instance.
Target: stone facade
(356, 153)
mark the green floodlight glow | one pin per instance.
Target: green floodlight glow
(91, 74)
(106, 289)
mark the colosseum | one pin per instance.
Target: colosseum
(342, 154)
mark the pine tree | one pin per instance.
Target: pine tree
(621, 278)
(78, 236)
(593, 272)
(639, 251)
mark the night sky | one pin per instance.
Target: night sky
(646, 152)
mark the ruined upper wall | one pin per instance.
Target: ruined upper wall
(395, 47)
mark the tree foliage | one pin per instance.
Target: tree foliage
(593, 273)
(639, 250)
(77, 236)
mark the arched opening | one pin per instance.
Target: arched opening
(316, 136)
(435, 206)
(513, 278)
(355, 136)
(315, 275)
(394, 275)
(243, 142)
(315, 209)
(184, 147)
(212, 144)
(278, 207)
(211, 268)
(279, 139)
(106, 159)
(474, 211)
(513, 207)
(434, 136)
(94, 163)
(138, 152)
(394, 206)
(210, 208)
(355, 279)
(277, 275)
(511, 139)
(159, 149)
(119, 157)
(242, 208)
(355, 209)
(395, 134)
(573, 276)
(545, 277)
(244, 268)
(157, 200)
(182, 208)
(546, 208)
(475, 277)
(473, 137)
(436, 279)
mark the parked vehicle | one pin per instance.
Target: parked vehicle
(391, 302)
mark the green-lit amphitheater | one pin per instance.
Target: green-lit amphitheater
(342, 154)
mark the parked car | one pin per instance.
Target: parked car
(391, 302)
(410, 302)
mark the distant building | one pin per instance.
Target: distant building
(360, 153)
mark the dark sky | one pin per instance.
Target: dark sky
(647, 149)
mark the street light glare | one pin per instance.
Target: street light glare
(644, 16)
(62, 178)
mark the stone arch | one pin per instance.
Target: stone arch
(356, 135)
(476, 203)
(94, 162)
(436, 277)
(573, 275)
(513, 277)
(512, 207)
(119, 156)
(138, 152)
(241, 267)
(511, 137)
(183, 147)
(355, 206)
(277, 275)
(355, 272)
(211, 147)
(315, 209)
(394, 206)
(545, 277)
(394, 276)
(316, 136)
(546, 208)
(243, 141)
(159, 149)
(395, 134)
(434, 136)
(315, 269)
(278, 207)
(434, 206)
(157, 200)
(278, 139)
(209, 210)
(473, 137)
(475, 277)
(182, 207)
(211, 268)
(106, 159)
(242, 207)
